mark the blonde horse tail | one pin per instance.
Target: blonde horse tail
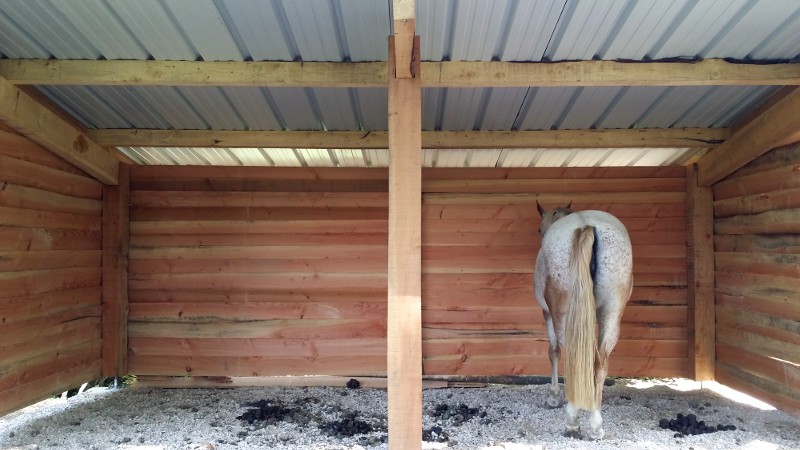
(580, 345)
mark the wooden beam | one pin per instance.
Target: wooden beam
(700, 259)
(374, 74)
(606, 73)
(25, 115)
(648, 137)
(776, 126)
(404, 322)
(195, 73)
(115, 276)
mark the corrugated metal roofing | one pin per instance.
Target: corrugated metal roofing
(303, 157)
(356, 30)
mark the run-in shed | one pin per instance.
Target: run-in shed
(249, 188)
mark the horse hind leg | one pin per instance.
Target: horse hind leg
(608, 333)
(554, 352)
(573, 428)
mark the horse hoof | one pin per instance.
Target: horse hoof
(552, 403)
(596, 435)
(574, 434)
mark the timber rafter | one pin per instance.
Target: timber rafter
(374, 74)
(630, 138)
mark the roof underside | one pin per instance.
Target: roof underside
(450, 30)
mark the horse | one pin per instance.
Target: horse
(582, 280)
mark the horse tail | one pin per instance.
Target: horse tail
(580, 345)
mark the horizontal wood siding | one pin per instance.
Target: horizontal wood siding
(50, 239)
(264, 271)
(757, 264)
(480, 240)
(257, 271)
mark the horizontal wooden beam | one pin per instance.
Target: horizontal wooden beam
(194, 73)
(25, 115)
(631, 138)
(776, 126)
(374, 74)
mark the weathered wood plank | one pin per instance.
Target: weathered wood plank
(773, 393)
(58, 380)
(16, 196)
(254, 213)
(519, 210)
(757, 203)
(553, 185)
(353, 237)
(265, 296)
(324, 349)
(59, 321)
(528, 346)
(775, 264)
(343, 227)
(755, 342)
(769, 222)
(31, 282)
(777, 179)
(552, 199)
(761, 299)
(778, 243)
(34, 175)
(344, 364)
(781, 373)
(205, 312)
(17, 261)
(27, 307)
(268, 328)
(642, 331)
(50, 342)
(516, 365)
(248, 199)
(245, 281)
(21, 217)
(38, 367)
(42, 239)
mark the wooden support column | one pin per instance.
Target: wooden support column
(116, 199)
(700, 253)
(404, 322)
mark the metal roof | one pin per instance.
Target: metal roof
(356, 30)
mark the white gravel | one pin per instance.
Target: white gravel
(159, 419)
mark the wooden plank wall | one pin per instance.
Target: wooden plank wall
(757, 264)
(263, 271)
(257, 271)
(50, 238)
(480, 239)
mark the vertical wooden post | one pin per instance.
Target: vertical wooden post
(404, 322)
(700, 260)
(116, 226)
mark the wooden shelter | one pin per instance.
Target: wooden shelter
(273, 188)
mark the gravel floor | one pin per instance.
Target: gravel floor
(495, 417)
